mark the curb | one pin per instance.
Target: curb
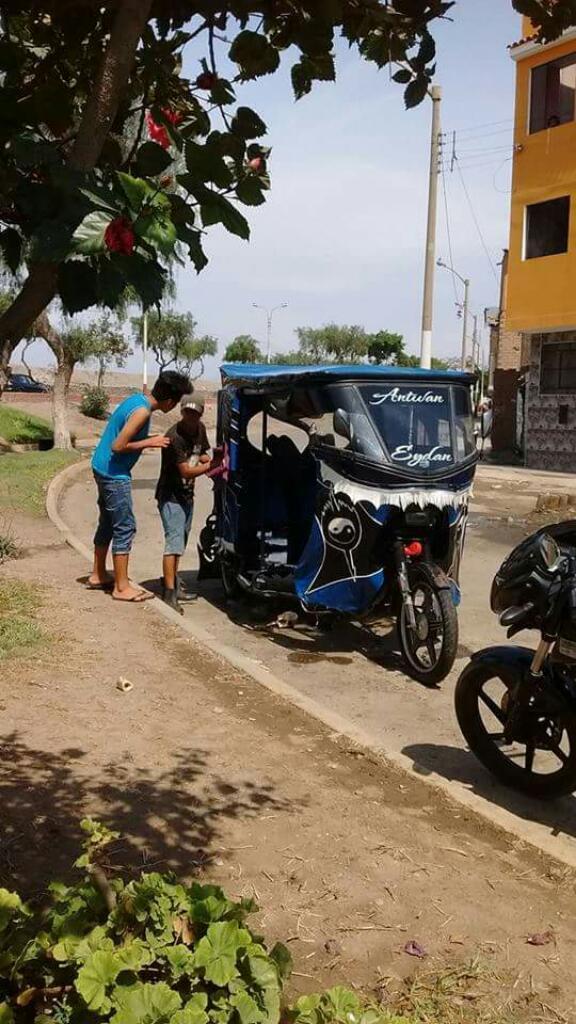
(553, 846)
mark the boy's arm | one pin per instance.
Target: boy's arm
(125, 443)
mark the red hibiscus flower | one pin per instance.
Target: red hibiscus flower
(119, 236)
(157, 132)
(173, 116)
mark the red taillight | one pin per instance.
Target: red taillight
(414, 549)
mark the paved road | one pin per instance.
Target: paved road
(347, 672)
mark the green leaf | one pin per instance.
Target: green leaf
(134, 955)
(415, 92)
(180, 959)
(111, 283)
(216, 209)
(52, 242)
(136, 190)
(194, 1011)
(307, 1010)
(248, 124)
(343, 1005)
(97, 975)
(247, 1008)
(10, 906)
(77, 285)
(254, 54)
(11, 248)
(102, 198)
(145, 1004)
(250, 191)
(217, 951)
(158, 229)
(6, 1014)
(152, 159)
(282, 957)
(147, 278)
(310, 69)
(403, 76)
(89, 235)
(193, 240)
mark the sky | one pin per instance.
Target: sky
(341, 237)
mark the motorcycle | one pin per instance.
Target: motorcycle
(345, 494)
(516, 706)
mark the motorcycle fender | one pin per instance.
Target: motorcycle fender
(514, 664)
(436, 576)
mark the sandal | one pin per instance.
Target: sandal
(138, 598)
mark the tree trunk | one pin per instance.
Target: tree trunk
(101, 372)
(41, 284)
(23, 358)
(62, 379)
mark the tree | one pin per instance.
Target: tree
(111, 156)
(244, 349)
(172, 339)
(385, 347)
(110, 347)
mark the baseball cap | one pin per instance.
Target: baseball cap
(194, 402)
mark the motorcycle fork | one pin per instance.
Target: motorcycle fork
(522, 692)
(403, 583)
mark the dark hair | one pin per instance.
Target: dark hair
(171, 386)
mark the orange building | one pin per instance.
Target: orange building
(536, 339)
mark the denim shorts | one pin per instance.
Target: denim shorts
(176, 519)
(116, 524)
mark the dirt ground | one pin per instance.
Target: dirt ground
(203, 771)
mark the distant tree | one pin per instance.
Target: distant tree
(385, 347)
(244, 349)
(172, 339)
(110, 347)
(437, 364)
(333, 343)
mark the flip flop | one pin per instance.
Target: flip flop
(138, 598)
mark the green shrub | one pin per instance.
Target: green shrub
(153, 951)
(95, 403)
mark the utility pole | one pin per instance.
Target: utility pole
(429, 269)
(145, 352)
(465, 322)
(475, 354)
(269, 315)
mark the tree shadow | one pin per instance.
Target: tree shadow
(458, 765)
(171, 818)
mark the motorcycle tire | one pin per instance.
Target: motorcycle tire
(423, 576)
(232, 588)
(467, 702)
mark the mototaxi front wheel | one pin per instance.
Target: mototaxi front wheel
(539, 758)
(429, 650)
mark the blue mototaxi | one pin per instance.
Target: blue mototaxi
(346, 490)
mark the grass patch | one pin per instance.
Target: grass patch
(19, 631)
(24, 477)
(22, 428)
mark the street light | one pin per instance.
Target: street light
(465, 281)
(269, 315)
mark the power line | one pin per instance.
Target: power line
(476, 222)
(449, 234)
(488, 124)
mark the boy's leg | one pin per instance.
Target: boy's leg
(102, 539)
(119, 503)
(173, 519)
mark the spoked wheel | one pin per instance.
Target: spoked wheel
(229, 577)
(539, 757)
(430, 649)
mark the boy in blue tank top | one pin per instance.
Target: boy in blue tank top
(121, 445)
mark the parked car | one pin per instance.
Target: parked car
(22, 382)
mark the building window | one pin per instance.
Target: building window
(558, 367)
(553, 94)
(547, 228)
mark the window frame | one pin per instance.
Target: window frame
(559, 347)
(544, 202)
(567, 60)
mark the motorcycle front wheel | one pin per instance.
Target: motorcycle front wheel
(541, 758)
(430, 648)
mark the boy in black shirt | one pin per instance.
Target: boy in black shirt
(182, 461)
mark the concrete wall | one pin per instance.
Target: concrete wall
(548, 444)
